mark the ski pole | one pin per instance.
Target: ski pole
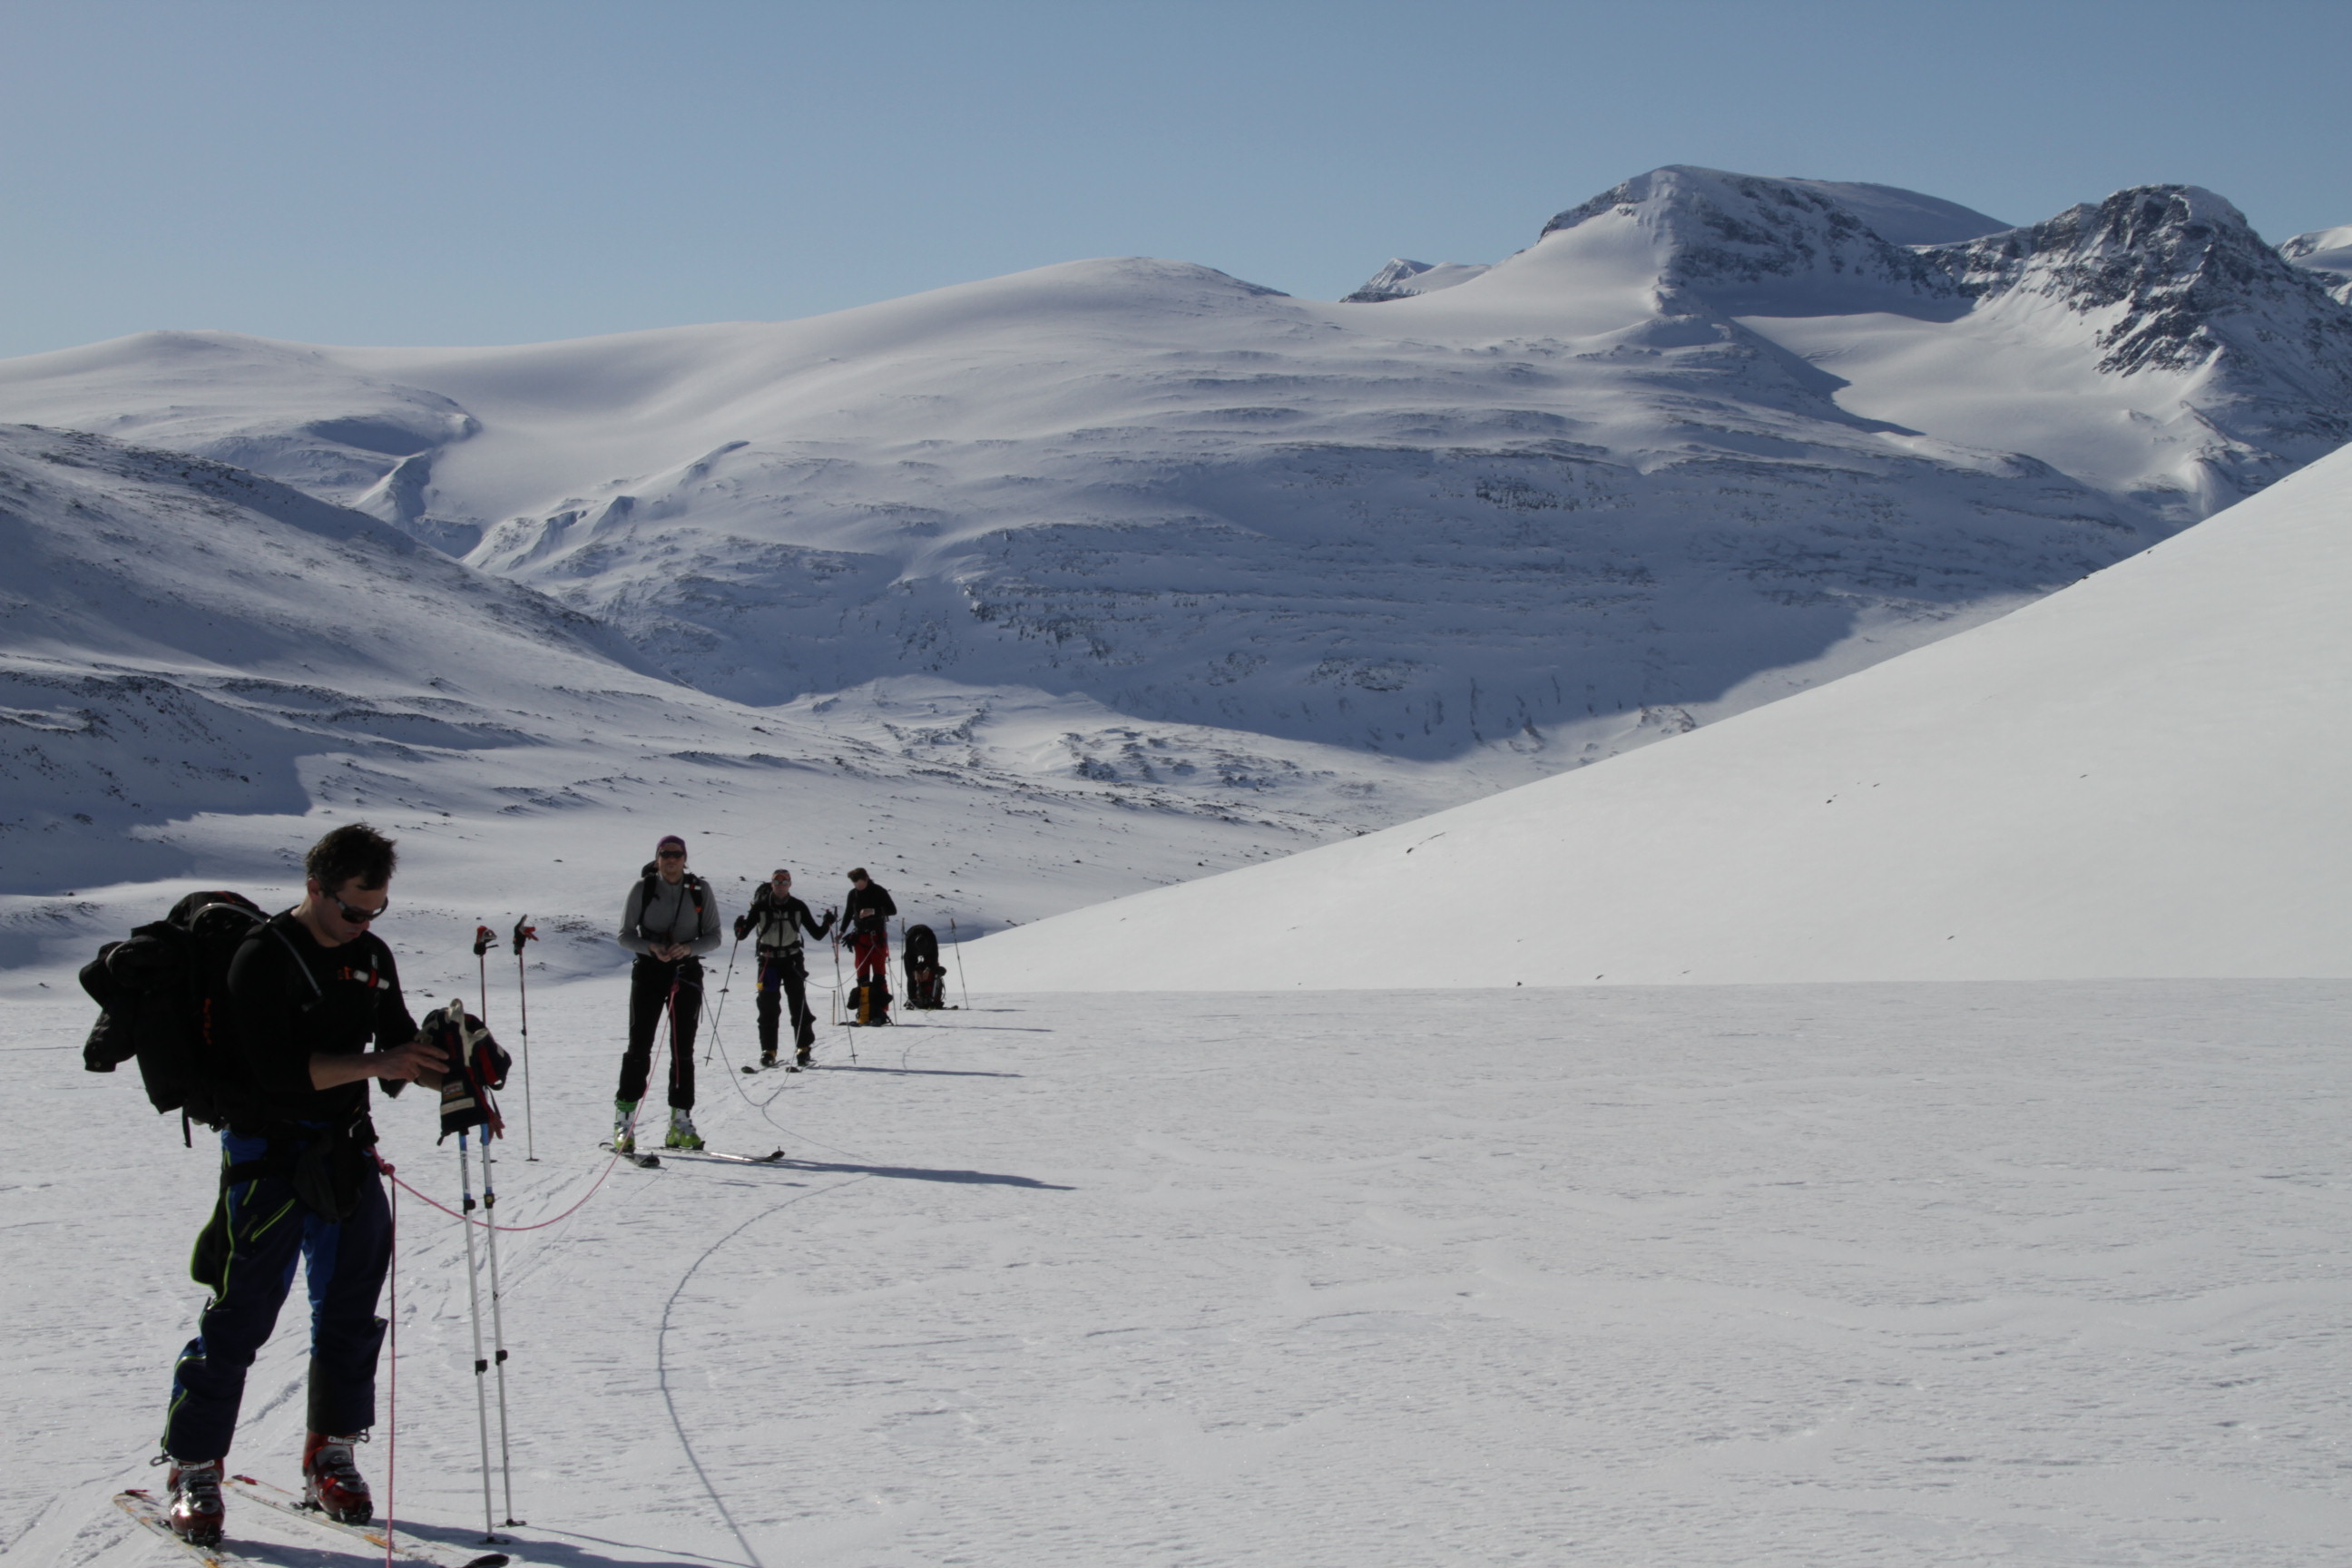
(721, 1011)
(954, 943)
(669, 1015)
(498, 1325)
(836, 979)
(483, 937)
(481, 1364)
(523, 933)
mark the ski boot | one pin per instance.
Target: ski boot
(767, 1058)
(193, 1509)
(802, 1059)
(332, 1482)
(682, 1134)
(624, 1117)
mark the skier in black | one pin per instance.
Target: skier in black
(671, 919)
(309, 992)
(779, 919)
(865, 914)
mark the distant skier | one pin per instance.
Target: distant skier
(779, 919)
(309, 993)
(865, 914)
(670, 919)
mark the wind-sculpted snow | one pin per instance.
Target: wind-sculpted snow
(1711, 439)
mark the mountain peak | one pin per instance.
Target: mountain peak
(1746, 245)
(2176, 258)
(1401, 280)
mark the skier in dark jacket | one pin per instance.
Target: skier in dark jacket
(779, 919)
(309, 993)
(865, 914)
(670, 919)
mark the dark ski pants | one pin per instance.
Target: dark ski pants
(262, 1229)
(651, 1003)
(783, 982)
(872, 950)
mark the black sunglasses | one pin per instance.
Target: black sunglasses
(358, 917)
(670, 855)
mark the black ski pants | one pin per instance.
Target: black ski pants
(663, 994)
(247, 1263)
(783, 982)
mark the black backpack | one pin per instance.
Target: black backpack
(926, 990)
(695, 889)
(163, 995)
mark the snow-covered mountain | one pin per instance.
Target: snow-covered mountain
(2326, 251)
(2141, 776)
(1709, 440)
(1400, 280)
(199, 667)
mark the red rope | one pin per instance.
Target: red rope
(510, 1229)
(391, 1394)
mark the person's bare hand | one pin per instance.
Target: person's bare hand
(405, 1062)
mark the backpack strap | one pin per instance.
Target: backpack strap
(318, 992)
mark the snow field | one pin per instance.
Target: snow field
(1804, 1275)
(2122, 779)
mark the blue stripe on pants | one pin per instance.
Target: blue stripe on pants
(267, 1230)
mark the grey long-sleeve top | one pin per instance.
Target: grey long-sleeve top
(668, 918)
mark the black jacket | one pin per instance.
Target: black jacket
(867, 910)
(293, 999)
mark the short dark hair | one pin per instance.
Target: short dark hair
(857, 874)
(354, 850)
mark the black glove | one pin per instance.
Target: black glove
(743, 924)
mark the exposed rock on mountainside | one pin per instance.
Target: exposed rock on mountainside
(1745, 246)
(2182, 265)
(1401, 280)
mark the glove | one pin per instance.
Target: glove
(743, 924)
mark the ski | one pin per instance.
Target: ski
(142, 1506)
(642, 1162)
(248, 1489)
(771, 1158)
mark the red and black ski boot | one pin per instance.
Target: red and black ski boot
(331, 1481)
(193, 1510)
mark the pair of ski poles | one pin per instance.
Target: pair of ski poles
(498, 1357)
(483, 937)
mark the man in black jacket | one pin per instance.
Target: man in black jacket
(309, 992)
(867, 914)
(779, 919)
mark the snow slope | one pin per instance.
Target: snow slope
(1599, 493)
(1775, 1277)
(200, 670)
(2326, 251)
(2139, 775)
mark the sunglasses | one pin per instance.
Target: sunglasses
(356, 916)
(670, 855)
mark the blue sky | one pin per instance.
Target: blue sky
(505, 170)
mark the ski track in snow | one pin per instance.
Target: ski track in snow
(1749, 1275)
